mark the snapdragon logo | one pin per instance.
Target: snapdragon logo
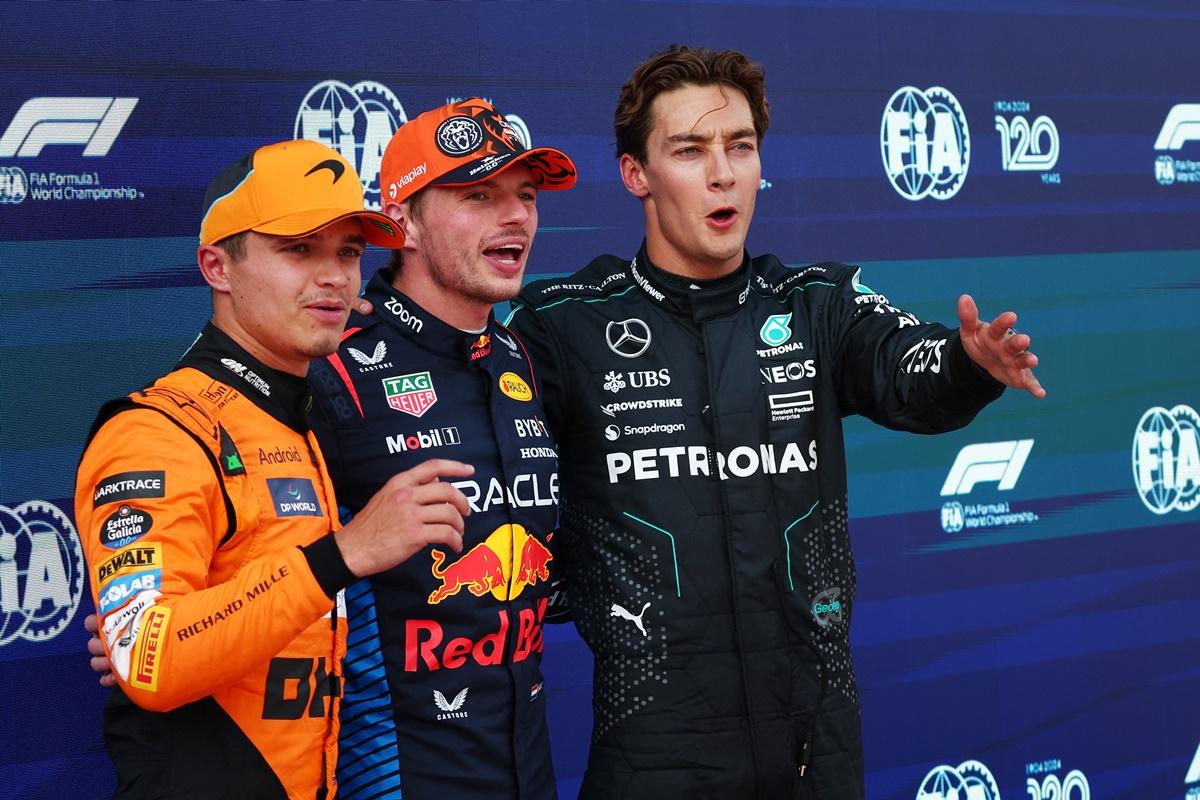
(925, 143)
(1166, 459)
(358, 121)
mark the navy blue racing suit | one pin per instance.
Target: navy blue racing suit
(443, 693)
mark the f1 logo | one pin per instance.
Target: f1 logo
(90, 121)
(1181, 126)
(984, 463)
(1193, 775)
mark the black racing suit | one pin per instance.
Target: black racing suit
(704, 526)
(443, 687)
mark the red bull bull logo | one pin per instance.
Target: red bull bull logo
(489, 566)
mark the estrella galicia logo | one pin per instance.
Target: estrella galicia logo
(776, 330)
(628, 338)
(925, 143)
(458, 136)
(41, 572)
(294, 497)
(1166, 459)
(125, 526)
(827, 608)
(970, 779)
(358, 121)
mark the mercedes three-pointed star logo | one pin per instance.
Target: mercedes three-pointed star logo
(628, 338)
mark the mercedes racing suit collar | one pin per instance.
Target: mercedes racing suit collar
(698, 300)
(395, 308)
(285, 397)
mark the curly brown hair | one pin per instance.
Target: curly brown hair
(674, 68)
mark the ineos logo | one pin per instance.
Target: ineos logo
(628, 338)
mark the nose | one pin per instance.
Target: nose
(720, 172)
(514, 210)
(335, 272)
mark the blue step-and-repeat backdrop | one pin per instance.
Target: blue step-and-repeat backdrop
(1028, 622)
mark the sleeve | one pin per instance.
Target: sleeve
(151, 513)
(547, 363)
(898, 371)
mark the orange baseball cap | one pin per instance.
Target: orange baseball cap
(460, 144)
(290, 189)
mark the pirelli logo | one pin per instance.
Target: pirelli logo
(147, 653)
(131, 559)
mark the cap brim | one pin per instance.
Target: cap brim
(552, 170)
(378, 229)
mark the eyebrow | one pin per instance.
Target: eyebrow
(741, 133)
(491, 184)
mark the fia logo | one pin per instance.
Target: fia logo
(925, 143)
(358, 121)
(1166, 459)
(41, 572)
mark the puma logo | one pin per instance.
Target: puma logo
(619, 611)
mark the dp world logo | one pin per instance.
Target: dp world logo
(1166, 459)
(970, 780)
(925, 143)
(358, 121)
(41, 572)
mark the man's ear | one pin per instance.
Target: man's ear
(214, 265)
(399, 213)
(633, 175)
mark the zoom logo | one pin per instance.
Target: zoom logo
(925, 143)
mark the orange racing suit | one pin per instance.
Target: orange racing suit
(206, 514)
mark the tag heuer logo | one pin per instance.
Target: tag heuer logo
(412, 394)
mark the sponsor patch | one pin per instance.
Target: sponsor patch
(294, 497)
(514, 386)
(132, 559)
(124, 527)
(412, 394)
(147, 654)
(129, 486)
(120, 590)
(120, 630)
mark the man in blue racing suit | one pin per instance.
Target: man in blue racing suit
(443, 691)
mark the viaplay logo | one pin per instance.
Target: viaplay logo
(41, 572)
(358, 121)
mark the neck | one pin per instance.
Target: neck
(227, 322)
(668, 258)
(452, 308)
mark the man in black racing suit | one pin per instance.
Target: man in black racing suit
(443, 689)
(697, 397)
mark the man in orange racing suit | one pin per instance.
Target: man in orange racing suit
(208, 517)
